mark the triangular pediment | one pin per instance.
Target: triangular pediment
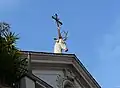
(69, 64)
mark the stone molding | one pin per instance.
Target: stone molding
(67, 78)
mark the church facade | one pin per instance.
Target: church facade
(50, 70)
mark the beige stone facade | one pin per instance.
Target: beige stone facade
(50, 70)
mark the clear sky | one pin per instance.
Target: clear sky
(93, 25)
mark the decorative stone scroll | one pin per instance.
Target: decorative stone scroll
(66, 79)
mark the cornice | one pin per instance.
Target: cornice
(64, 59)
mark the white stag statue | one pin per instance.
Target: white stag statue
(60, 43)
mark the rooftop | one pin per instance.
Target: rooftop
(65, 55)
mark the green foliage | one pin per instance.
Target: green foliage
(12, 65)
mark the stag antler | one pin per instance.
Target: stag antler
(64, 35)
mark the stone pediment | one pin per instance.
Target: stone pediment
(63, 68)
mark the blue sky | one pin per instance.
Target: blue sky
(93, 25)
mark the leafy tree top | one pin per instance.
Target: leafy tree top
(12, 65)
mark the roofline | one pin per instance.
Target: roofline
(74, 56)
(49, 53)
(86, 71)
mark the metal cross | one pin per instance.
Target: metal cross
(55, 17)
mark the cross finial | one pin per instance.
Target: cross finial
(55, 17)
(60, 44)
